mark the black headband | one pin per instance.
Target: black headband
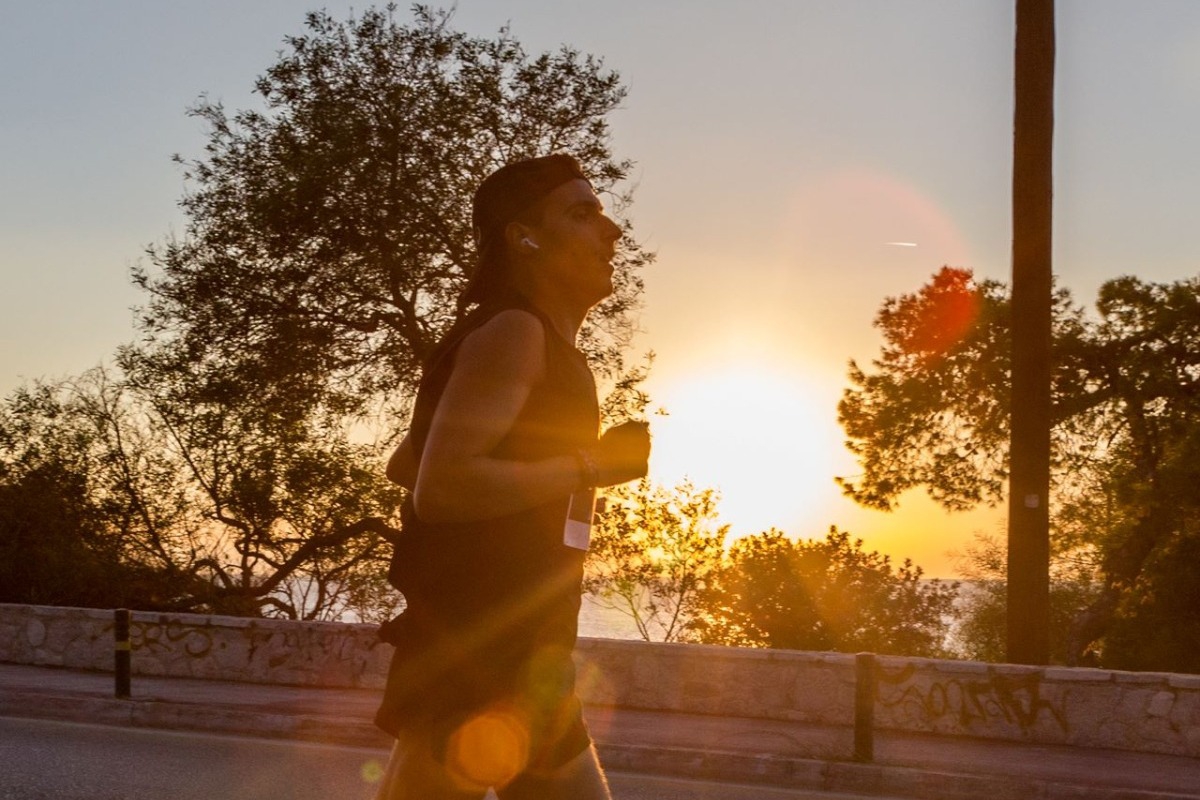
(511, 190)
(502, 198)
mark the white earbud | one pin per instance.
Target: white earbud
(530, 243)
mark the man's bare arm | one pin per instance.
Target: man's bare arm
(495, 370)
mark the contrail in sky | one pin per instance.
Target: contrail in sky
(901, 244)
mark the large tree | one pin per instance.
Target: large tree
(328, 237)
(931, 413)
(329, 231)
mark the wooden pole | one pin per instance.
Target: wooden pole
(864, 707)
(1032, 197)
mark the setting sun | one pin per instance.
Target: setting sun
(767, 439)
(757, 435)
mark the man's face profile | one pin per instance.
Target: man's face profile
(576, 240)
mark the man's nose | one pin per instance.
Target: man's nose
(614, 230)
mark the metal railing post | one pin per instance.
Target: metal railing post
(864, 707)
(122, 649)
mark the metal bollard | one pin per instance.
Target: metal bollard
(122, 649)
(864, 707)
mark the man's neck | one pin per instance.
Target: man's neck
(563, 315)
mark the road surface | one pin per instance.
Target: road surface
(44, 760)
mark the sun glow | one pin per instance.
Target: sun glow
(763, 438)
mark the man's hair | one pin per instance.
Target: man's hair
(508, 195)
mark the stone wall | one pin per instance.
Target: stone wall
(198, 646)
(728, 681)
(1156, 712)
(1053, 705)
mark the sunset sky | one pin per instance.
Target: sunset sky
(797, 162)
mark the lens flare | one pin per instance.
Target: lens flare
(936, 319)
(372, 771)
(836, 221)
(489, 749)
(595, 687)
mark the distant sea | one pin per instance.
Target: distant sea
(598, 622)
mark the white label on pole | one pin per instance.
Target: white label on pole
(1032, 501)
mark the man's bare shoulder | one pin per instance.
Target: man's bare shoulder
(512, 342)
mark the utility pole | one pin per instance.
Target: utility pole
(1029, 453)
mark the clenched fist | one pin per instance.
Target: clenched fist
(621, 455)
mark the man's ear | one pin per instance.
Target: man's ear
(519, 238)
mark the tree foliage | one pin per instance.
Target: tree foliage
(652, 553)
(293, 514)
(659, 557)
(933, 411)
(329, 231)
(52, 545)
(1126, 411)
(981, 629)
(112, 496)
(825, 594)
(68, 496)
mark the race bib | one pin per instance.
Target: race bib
(577, 532)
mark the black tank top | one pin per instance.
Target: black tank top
(486, 598)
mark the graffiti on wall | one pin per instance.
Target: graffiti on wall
(1015, 699)
(168, 637)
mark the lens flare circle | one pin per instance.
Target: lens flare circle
(489, 749)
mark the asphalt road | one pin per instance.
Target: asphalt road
(44, 760)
